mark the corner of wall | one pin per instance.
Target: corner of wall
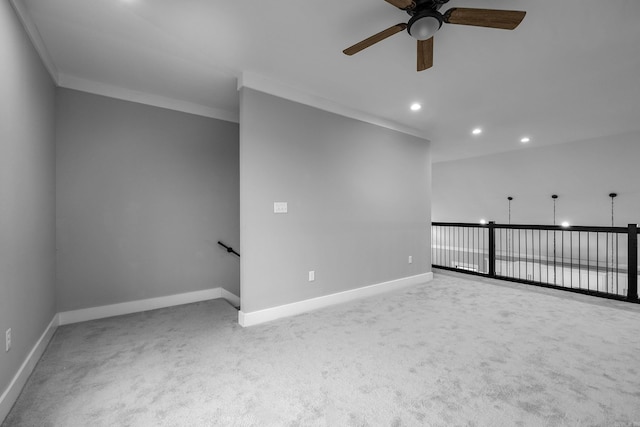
(10, 395)
(36, 38)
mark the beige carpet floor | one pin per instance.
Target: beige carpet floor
(451, 352)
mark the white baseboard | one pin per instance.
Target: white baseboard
(233, 299)
(266, 315)
(10, 395)
(93, 313)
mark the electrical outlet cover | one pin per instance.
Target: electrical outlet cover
(280, 207)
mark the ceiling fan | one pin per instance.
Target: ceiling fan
(426, 20)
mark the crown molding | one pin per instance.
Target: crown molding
(77, 83)
(246, 79)
(263, 84)
(111, 91)
(35, 37)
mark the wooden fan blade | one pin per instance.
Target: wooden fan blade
(374, 39)
(425, 54)
(503, 19)
(402, 4)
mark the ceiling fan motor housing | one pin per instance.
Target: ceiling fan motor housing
(422, 5)
(424, 24)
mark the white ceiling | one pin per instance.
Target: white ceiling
(569, 72)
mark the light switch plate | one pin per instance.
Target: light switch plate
(280, 207)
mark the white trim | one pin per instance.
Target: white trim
(82, 315)
(35, 37)
(72, 82)
(233, 299)
(281, 90)
(84, 85)
(273, 313)
(10, 395)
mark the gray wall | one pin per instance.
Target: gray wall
(27, 203)
(143, 195)
(581, 173)
(358, 197)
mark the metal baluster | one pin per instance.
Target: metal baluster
(547, 254)
(617, 265)
(597, 261)
(579, 262)
(562, 258)
(588, 261)
(571, 259)
(526, 255)
(607, 284)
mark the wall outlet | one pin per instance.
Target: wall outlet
(7, 340)
(410, 259)
(280, 207)
(312, 276)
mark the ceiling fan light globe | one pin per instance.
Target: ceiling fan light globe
(423, 28)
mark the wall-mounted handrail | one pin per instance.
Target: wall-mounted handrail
(228, 248)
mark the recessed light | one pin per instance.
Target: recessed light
(415, 106)
(525, 140)
(476, 131)
(565, 224)
(483, 221)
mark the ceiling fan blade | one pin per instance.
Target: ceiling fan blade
(374, 39)
(402, 4)
(425, 54)
(490, 18)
